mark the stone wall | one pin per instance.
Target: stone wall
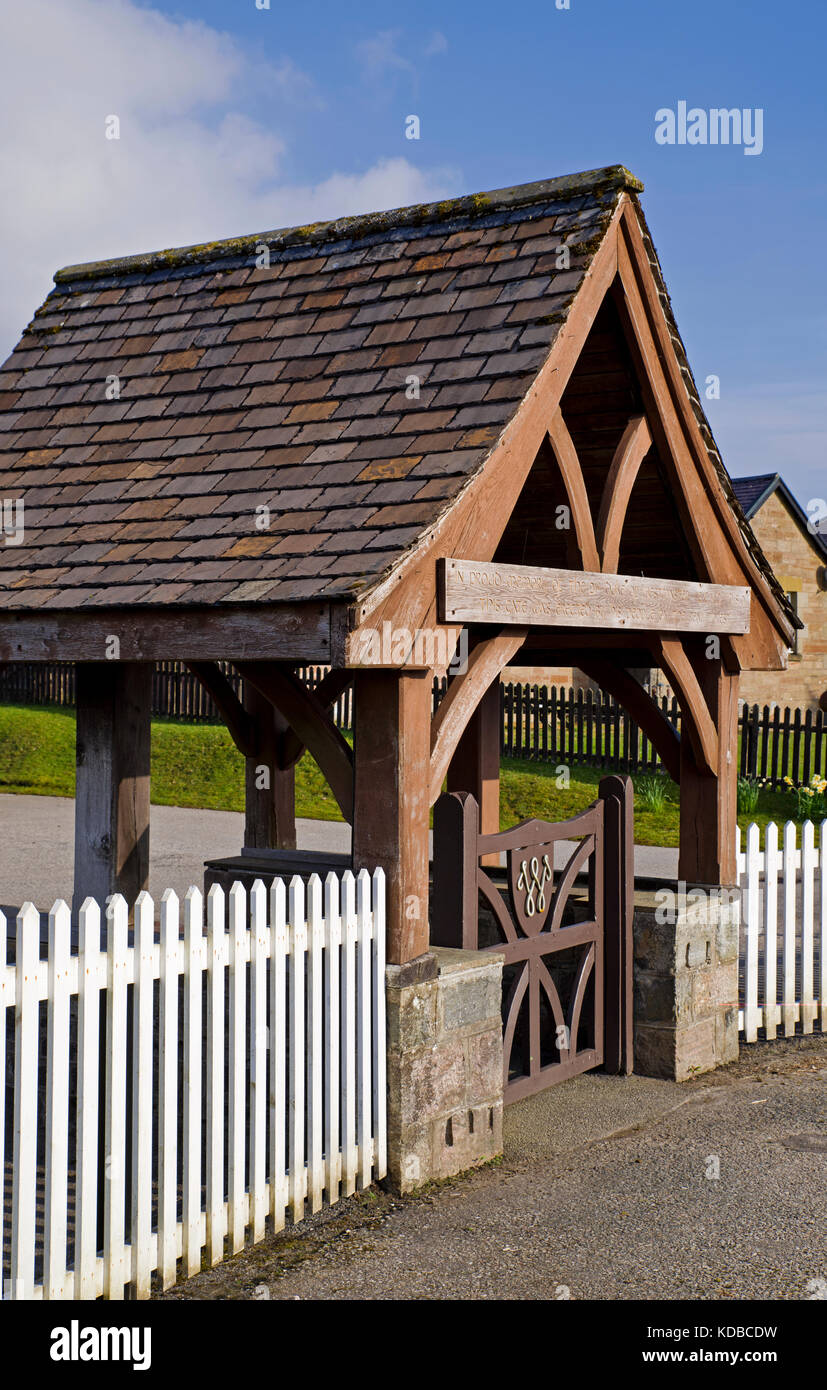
(685, 980)
(445, 1065)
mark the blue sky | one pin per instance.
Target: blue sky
(236, 119)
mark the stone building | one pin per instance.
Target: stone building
(799, 558)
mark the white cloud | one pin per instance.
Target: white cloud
(380, 54)
(436, 44)
(190, 165)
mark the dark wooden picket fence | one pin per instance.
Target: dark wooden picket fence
(539, 723)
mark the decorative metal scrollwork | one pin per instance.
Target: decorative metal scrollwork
(531, 882)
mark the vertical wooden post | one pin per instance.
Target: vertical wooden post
(392, 745)
(709, 804)
(475, 766)
(617, 795)
(270, 809)
(112, 788)
(454, 911)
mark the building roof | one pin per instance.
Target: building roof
(198, 427)
(753, 492)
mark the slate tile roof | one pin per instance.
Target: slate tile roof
(286, 387)
(750, 491)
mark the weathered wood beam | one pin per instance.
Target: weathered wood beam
(475, 591)
(475, 765)
(113, 700)
(236, 718)
(463, 696)
(625, 466)
(269, 790)
(333, 684)
(275, 632)
(630, 694)
(709, 801)
(698, 722)
(310, 721)
(574, 483)
(390, 815)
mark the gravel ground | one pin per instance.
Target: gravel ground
(603, 1193)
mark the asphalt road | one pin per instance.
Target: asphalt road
(37, 854)
(610, 1189)
(37, 847)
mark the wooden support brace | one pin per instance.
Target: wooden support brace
(227, 703)
(310, 721)
(630, 694)
(698, 722)
(330, 687)
(463, 696)
(572, 474)
(625, 466)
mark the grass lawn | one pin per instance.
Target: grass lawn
(198, 765)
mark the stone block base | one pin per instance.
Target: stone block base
(686, 980)
(445, 1065)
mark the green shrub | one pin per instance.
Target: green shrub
(748, 791)
(652, 792)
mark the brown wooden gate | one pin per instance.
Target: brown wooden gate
(565, 932)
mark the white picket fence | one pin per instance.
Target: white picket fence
(784, 962)
(244, 1076)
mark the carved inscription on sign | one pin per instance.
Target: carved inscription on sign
(475, 591)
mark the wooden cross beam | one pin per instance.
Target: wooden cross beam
(478, 592)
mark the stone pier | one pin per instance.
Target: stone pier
(685, 979)
(445, 1065)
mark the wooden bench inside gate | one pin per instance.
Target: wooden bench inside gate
(564, 928)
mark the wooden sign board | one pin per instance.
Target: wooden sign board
(472, 591)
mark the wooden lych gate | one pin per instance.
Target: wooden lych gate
(564, 928)
(267, 497)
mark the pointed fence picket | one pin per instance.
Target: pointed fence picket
(784, 980)
(185, 1089)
